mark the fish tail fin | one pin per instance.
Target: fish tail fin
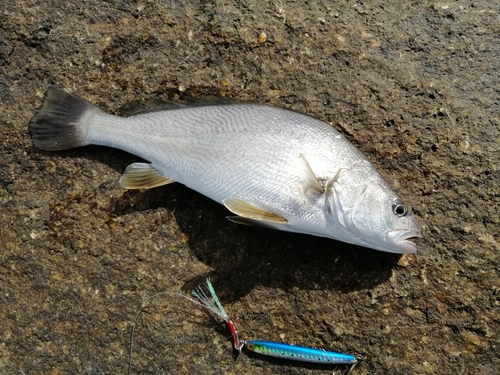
(62, 121)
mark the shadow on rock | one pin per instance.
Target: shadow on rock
(243, 257)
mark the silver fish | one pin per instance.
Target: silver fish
(269, 166)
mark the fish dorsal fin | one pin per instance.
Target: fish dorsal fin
(207, 101)
(141, 107)
(249, 211)
(311, 182)
(142, 176)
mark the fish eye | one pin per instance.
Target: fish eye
(399, 209)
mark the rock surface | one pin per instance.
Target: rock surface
(414, 85)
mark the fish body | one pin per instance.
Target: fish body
(269, 166)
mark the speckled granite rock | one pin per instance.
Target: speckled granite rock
(414, 85)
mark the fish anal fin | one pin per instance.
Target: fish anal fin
(311, 182)
(142, 176)
(249, 211)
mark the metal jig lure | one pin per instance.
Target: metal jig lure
(270, 348)
(211, 302)
(298, 353)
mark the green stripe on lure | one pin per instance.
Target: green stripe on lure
(269, 166)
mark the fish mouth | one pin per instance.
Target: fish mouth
(400, 238)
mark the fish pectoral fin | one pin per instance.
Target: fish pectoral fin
(311, 182)
(249, 211)
(142, 176)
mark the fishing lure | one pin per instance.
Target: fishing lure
(270, 348)
(211, 302)
(298, 353)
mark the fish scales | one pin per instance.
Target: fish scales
(204, 154)
(270, 166)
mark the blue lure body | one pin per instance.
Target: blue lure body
(298, 353)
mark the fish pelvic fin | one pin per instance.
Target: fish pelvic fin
(60, 123)
(250, 222)
(142, 176)
(249, 211)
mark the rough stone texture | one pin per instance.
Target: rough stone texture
(414, 85)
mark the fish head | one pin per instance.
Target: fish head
(362, 209)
